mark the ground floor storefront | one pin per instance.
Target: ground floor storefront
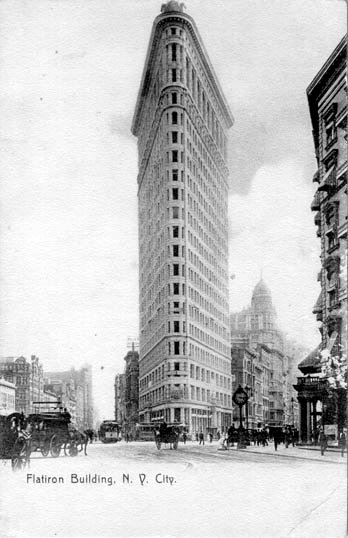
(194, 419)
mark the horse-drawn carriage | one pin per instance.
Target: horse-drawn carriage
(51, 432)
(167, 434)
(15, 440)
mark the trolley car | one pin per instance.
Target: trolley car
(109, 431)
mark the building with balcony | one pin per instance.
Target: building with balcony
(327, 99)
(181, 122)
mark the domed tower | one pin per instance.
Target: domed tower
(263, 318)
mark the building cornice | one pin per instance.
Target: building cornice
(323, 80)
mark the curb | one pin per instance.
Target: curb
(283, 455)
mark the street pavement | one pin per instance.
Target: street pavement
(122, 490)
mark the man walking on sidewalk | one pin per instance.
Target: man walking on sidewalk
(323, 442)
(342, 443)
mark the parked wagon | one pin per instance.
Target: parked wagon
(15, 440)
(167, 434)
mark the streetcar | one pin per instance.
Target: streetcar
(109, 431)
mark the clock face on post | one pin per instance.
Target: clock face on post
(240, 397)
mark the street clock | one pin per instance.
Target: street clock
(240, 397)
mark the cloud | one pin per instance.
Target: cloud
(271, 229)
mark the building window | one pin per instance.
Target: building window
(173, 75)
(176, 327)
(176, 348)
(173, 31)
(175, 137)
(176, 269)
(174, 118)
(175, 175)
(174, 156)
(175, 194)
(175, 250)
(175, 231)
(175, 212)
(176, 307)
(174, 52)
(174, 98)
(176, 288)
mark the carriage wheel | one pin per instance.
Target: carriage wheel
(158, 444)
(72, 449)
(19, 454)
(175, 444)
(45, 450)
(55, 446)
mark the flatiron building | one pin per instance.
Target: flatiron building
(181, 122)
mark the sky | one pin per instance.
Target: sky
(70, 74)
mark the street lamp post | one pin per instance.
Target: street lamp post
(240, 398)
(292, 412)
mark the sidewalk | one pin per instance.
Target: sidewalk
(304, 453)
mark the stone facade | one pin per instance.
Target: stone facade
(321, 407)
(327, 97)
(181, 122)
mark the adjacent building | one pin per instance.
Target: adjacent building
(74, 389)
(127, 394)
(7, 397)
(327, 99)
(119, 387)
(263, 363)
(27, 376)
(181, 122)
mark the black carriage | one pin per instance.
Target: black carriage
(15, 442)
(167, 434)
(52, 433)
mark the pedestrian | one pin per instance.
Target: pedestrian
(323, 442)
(286, 438)
(197, 437)
(210, 437)
(342, 443)
(201, 438)
(275, 439)
(184, 437)
(218, 435)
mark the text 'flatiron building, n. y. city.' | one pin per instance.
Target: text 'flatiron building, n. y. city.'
(181, 122)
